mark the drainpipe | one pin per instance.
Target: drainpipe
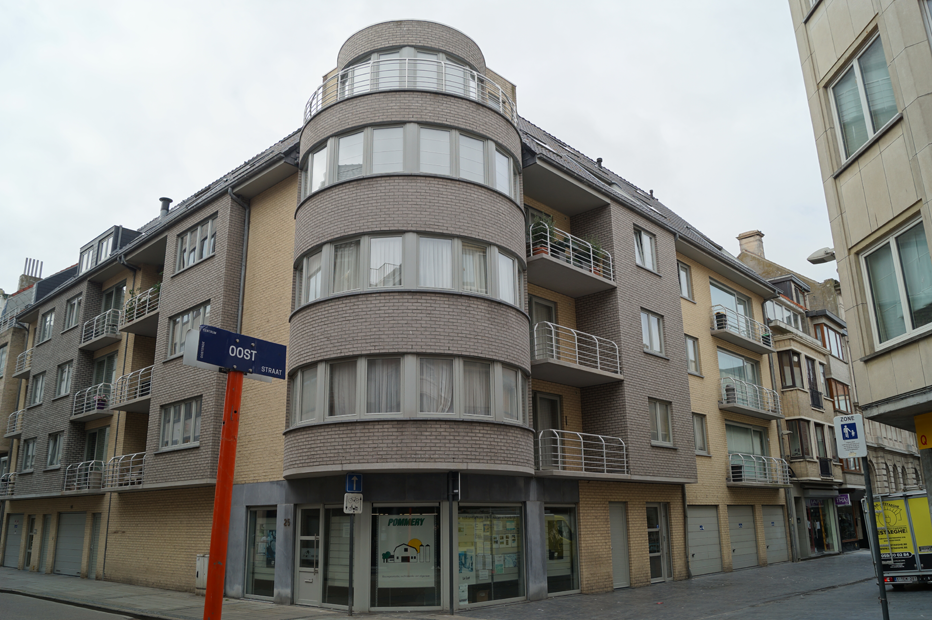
(242, 274)
(689, 570)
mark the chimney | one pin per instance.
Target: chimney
(163, 213)
(752, 242)
(32, 273)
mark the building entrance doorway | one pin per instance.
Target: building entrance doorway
(307, 557)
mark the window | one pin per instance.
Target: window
(645, 253)
(435, 265)
(831, 340)
(820, 440)
(3, 352)
(349, 164)
(502, 173)
(472, 159)
(305, 395)
(865, 85)
(686, 281)
(181, 424)
(383, 385)
(477, 388)
(434, 151)
(660, 422)
(112, 298)
(735, 302)
(475, 269)
(346, 267)
(196, 244)
(652, 332)
(387, 150)
(746, 439)
(699, 431)
(435, 386)
(104, 248)
(105, 369)
(507, 281)
(180, 325)
(385, 262)
(899, 276)
(54, 452)
(36, 386)
(840, 393)
(800, 446)
(832, 445)
(316, 170)
(309, 279)
(63, 379)
(29, 454)
(692, 355)
(510, 400)
(72, 312)
(791, 371)
(342, 388)
(779, 312)
(87, 260)
(46, 323)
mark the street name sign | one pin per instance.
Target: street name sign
(214, 348)
(850, 441)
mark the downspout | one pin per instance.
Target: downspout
(689, 570)
(242, 274)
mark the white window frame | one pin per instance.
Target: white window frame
(890, 241)
(87, 259)
(297, 397)
(72, 312)
(104, 248)
(700, 429)
(53, 456)
(177, 333)
(45, 327)
(765, 443)
(169, 411)
(648, 347)
(29, 454)
(647, 246)
(36, 389)
(689, 361)
(656, 409)
(684, 270)
(63, 378)
(207, 230)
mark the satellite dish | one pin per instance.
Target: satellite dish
(824, 255)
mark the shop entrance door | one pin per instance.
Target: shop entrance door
(658, 543)
(307, 569)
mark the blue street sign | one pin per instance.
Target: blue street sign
(354, 483)
(849, 431)
(219, 347)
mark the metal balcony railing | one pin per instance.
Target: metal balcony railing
(757, 469)
(125, 471)
(553, 341)
(86, 476)
(7, 484)
(745, 394)
(23, 361)
(726, 319)
(7, 322)
(825, 467)
(141, 305)
(137, 384)
(14, 425)
(815, 399)
(544, 238)
(95, 398)
(410, 74)
(581, 452)
(106, 324)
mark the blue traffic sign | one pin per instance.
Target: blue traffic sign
(849, 431)
(354, 483)
(219, 347)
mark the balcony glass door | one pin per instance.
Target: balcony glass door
(105, 369)
(546, 418)
(744, 375)
(307, 570)
(543, 339)
(738, 304)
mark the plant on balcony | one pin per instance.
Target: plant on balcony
(597, 251)
(100, 402)
(542, 235)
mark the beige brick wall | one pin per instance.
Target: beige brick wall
(560, 220)
(571, 403)
(566, 306)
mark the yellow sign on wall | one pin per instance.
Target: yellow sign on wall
(924, 430)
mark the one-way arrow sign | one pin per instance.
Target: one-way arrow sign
(353, 483)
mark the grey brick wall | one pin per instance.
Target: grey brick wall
(423, 34)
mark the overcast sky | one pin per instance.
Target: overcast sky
(106, 106)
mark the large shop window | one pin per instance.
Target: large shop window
(491, 554)
(562, 550)
(260, 552)
(405, 557)
(335, 586)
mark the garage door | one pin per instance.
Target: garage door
(14, 538)
(743, 538)
(705, 547)
(70, 543)
(775, 534)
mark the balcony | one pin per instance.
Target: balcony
(141, 313)
(125, 471)
(7, 484)
(749, 399)
(563, 355)
(133, 392)
(14, 425)
(410, 74)
(23, 364)
(82, 477)
(755, 470)
(581, 454)
(566, 264)
(92, 403)
(101, 331)
(740, 330)
(7, 322)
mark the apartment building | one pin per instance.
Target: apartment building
(482, 322)
(866, 66)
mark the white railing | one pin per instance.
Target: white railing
(7, 484)
(125, 470)
(140, 305)
(553, 341)
(106, 324)
(7, 322)
(545, 239)
(85, 476)
(137, 384)
(757, 469)
(745, 394)
(95, 398)
(14, 425)
(23, 361)
(581, 452)
(410, 74)
(726, 319)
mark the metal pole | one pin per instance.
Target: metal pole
(454, 560)
(875, 539)
(352, 532)
(223, 497)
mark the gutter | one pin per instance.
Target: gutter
(242, 272)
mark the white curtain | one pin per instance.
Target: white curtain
(435, 151)
(343, 388)
(385, 261)
(312, 275)
(477, 388)
(506, 279)
(345, 267)
(436, 391)
(308, 403)
(435, 268)
(387, 150)
(510, 393)
(383, 385)
(472, 159)
(475, 269)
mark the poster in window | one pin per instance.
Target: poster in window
(406, 559)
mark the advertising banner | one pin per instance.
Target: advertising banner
(896, 539)
(922, 528)
(405, 558)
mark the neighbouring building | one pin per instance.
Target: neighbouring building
(549, 382)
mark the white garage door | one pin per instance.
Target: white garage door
(743, 538)
(775, 534)
(14, 538)
(705, 547)
(70, 543)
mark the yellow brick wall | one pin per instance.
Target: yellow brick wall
(566, 306)
(266, 307)
(571, 403)
(560, 220)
